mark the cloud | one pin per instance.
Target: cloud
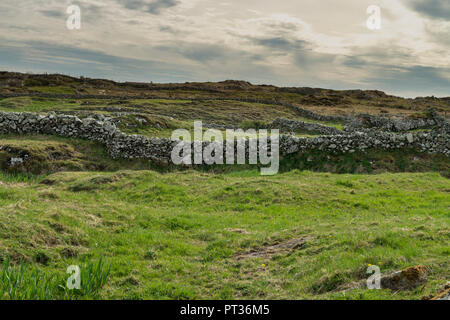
(439, 9)
(208, 53)
(150, 6)
(416, 80)
(301, 52)
(53, 13)
(39, 56)
(282, 43)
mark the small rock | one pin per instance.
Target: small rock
(405, 279)
(15, 161)
(410, 138)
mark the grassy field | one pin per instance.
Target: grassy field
(187, 235)
(142, 231)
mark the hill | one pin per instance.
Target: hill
(321, 100)
(364, 182)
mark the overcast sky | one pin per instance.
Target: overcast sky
(315, 43)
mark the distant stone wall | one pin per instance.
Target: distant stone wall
(294, 125)
(286, 126)
(395, 124)
(353, 121)
(121, 145)
(298, 110)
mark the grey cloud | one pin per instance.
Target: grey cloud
(205, 53)
(442, 38)
(89, 12)
(302, 51)
(179, 60)
(39, 56)
(215, 62)
(276, 46)
(397, 78)
(411, 79)
(379, 75)
(280, 43)
(92, 13)
(439, 9)
(53, 13)
(372, 62)
(219, 63)
(309, 60)
(440, 34)
(150, 6)
(373, 55)
(169, 29)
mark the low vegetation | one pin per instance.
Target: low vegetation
(25, 282)
(47, 154)
(179, 235)
(141, 231)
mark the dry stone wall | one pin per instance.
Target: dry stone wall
(121, 145)
(436, 141)
(294, 125)
(395, 124)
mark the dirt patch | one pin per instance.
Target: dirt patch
(268, 251)
(237, 230)
(50, 181)
(13, 184)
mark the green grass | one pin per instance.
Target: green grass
(49, 154)
(176, 235)
(24, 282)
(335, 124)
(55, 89)
(370, 161)
(34, 104)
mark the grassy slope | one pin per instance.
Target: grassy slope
(323, 100)
(167, 235)
(161, 116)
(48, 154)
(176, 235)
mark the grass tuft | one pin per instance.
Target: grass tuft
(22, 281)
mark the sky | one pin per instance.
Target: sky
(301, 43)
